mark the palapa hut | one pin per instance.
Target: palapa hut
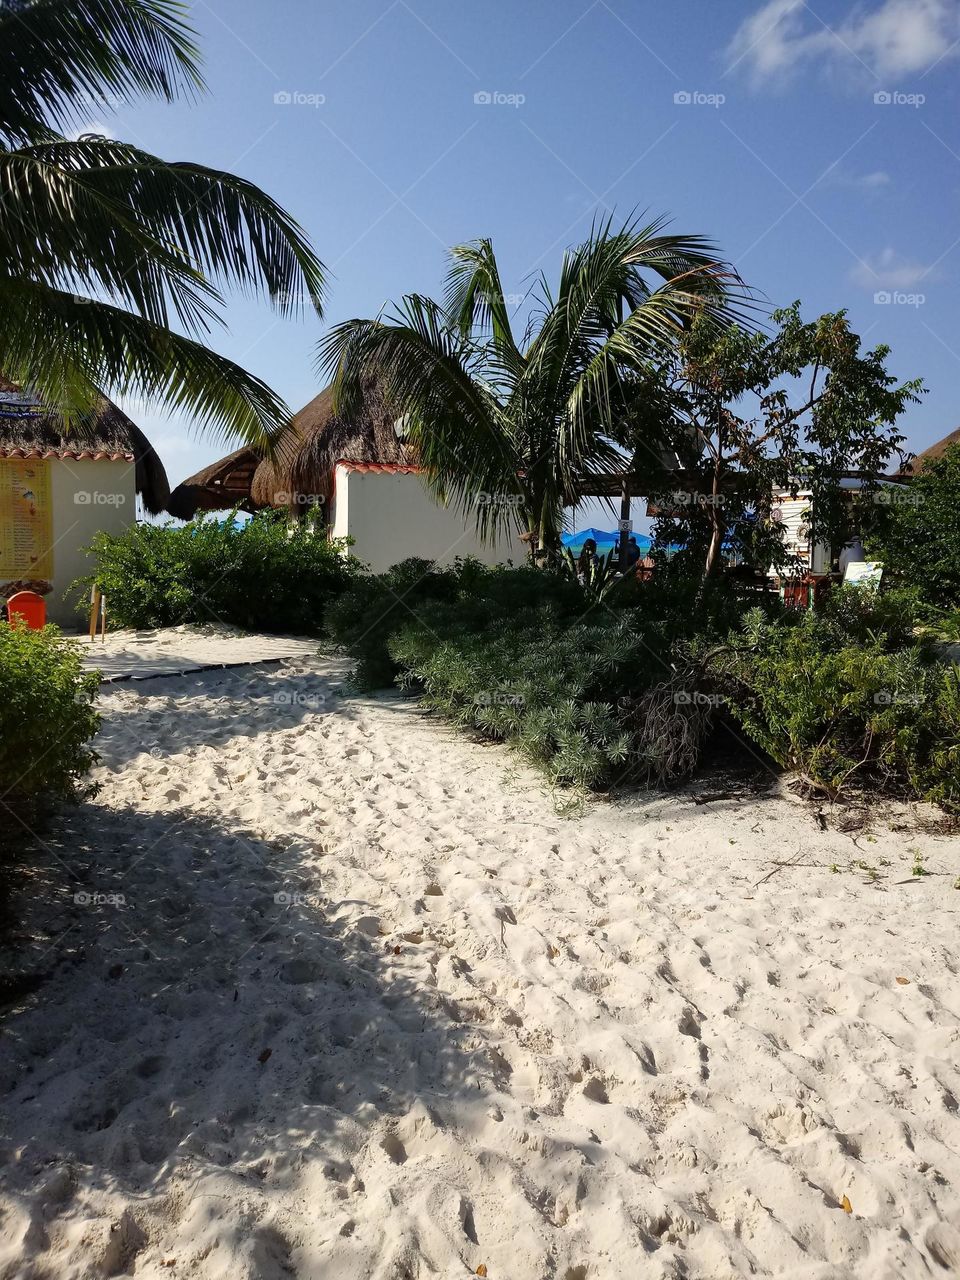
(58, 488)
(932, 453)
(359, 472)
(220, 487)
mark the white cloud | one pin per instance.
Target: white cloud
(894, 37)
(875, 181)
(888, 270)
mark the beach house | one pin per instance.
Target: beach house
(359, 477)
(59, 487)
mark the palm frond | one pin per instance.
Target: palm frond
(60, 57)
(454, 422)
(56, 230)
(474, 297)
(69, 350)
(182, 222)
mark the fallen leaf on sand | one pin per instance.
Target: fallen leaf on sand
(553, 951)
(264, 1056)
(904, 982)
(846, 1206)
(482, 1269)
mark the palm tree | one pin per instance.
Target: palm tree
(507, 430)
(104, 247)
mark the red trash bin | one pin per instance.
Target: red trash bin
(29, 609)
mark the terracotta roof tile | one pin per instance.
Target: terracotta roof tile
(380, 468)
(73, 455)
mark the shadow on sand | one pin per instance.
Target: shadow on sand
(205, 1008)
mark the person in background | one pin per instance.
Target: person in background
(633, 554)
(587, 561)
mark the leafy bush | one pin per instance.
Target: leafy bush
(549, 687)
(264, 575)
(46, 717)
(528, 657)
(918, 533)
(836, 706)
(592, 693)
(365, 618)
(860, 613)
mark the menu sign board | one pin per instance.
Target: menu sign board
(26, 519)
(864, 573)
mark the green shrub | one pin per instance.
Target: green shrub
(860, 613)
(918, 531)
(263, 576)
(550, 687)
(366, 618)
(46, 718)
(521, 656)
(837, 707)
(528, 657)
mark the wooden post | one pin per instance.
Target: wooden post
(94, 611)
(624, 522)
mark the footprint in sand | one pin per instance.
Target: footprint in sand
(596, 1090)
(394, 1148)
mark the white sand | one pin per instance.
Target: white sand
(572, 1048)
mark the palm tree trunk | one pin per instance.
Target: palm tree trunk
(717, 530)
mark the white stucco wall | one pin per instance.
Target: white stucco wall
(394, 517)
(795, 515)
(87, 496)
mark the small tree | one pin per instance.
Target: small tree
(751, 413)
(508, 428)
(917, 531)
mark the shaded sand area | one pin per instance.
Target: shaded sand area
(335, 993)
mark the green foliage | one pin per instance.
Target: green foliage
(46, 718)
(752, 412)
(264, 576)
(853, 614)
(599, 575)
(549, 687)
(366, 617)
(522, 656)
(507, 428)
(113, 261)
(597, 692)
(918, 532)
(842, 697)
(528, 657)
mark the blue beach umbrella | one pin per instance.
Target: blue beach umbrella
(603, 538)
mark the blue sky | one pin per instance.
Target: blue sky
(818, 147)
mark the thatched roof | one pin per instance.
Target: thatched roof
(935, 451)
(304, 461)
(220, 487)
(29, 430)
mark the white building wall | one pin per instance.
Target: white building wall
(392, 517)
(87, 496)
(795, 517)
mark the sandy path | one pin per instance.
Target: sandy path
(371, 1008)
